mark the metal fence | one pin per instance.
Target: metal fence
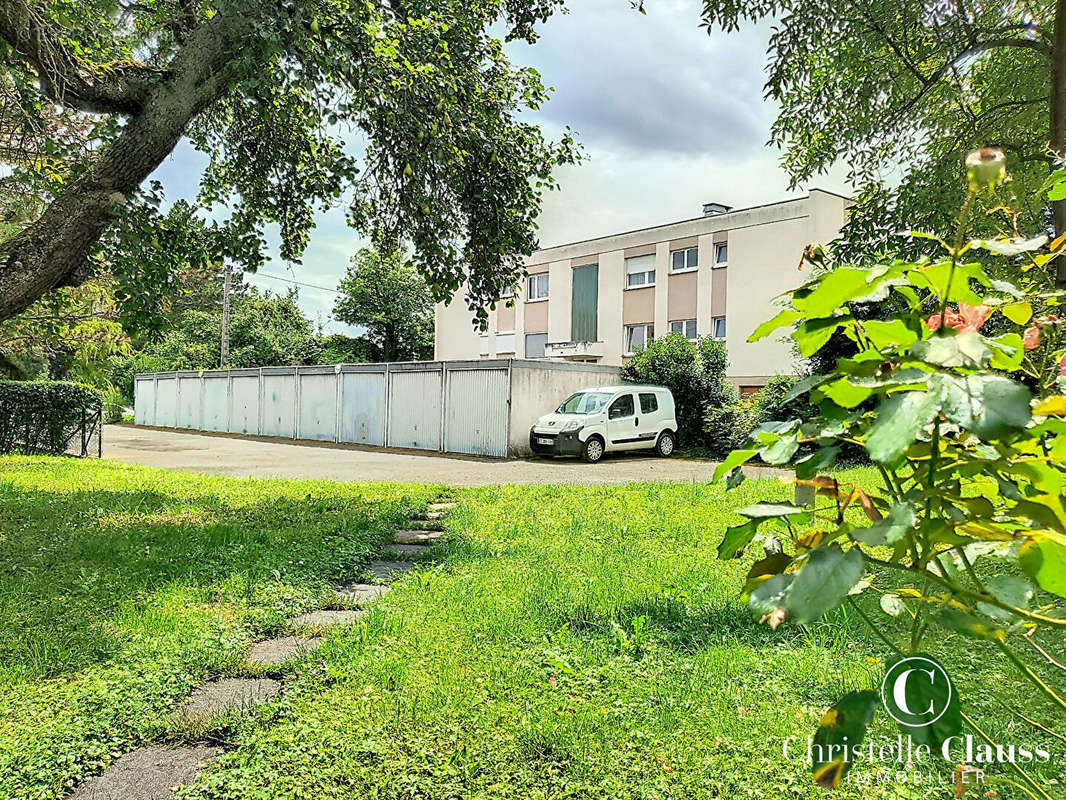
(459, 407)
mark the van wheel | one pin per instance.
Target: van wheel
(593, 450)
(666, 445)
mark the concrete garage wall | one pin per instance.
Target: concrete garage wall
(537, 388)
(482, 407)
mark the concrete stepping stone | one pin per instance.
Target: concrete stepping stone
(424, 525)
(417, 537)
(228, 694)
(408, 549)
(383, 570)
(280, 650)
(327, 618)
(448, 506)
(430, 515)
(148, 774)
(360, 593)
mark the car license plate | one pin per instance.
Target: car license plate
(541, 440)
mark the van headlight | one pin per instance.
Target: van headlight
(572, 425)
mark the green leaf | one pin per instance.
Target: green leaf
(737, 537)
(901, 518)
(823, 582)
(988, 405)
(890, 333)
(1043, 558)
(1010, 589)
(768, 510)
(763, 569)
(833, 291)
(812, 334)
(735, 459)
(947, 350)
(780, 320)
(769, 595)
(841, 728)
(892, 604)
(899, 418)
(846, 394)
(1007, 352)
(1018, 313)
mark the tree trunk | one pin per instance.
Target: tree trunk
(54, 251)
(1058, 121)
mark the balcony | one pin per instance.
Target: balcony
(582, 351)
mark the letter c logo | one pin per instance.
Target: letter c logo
(916, 678)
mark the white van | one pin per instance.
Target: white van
(606, 419)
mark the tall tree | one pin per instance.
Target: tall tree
(265, 89)
(388, 297)
(901, 90)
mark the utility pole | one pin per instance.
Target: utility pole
(225, 316)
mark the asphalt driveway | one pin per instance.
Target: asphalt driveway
(242, 456)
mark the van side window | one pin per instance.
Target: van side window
(648, 403)
(622, 407)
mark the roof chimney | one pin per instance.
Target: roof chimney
(710, 209)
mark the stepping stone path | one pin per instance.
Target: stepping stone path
(361, 592)
(417, 537)
(148, 774)
(152, 773)
(280, 650)
(408, 549)
(227, 694)
(327, 618)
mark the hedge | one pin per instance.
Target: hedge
(47, 416)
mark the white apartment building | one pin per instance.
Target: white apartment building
(602, 299)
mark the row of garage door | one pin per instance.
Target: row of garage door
(425, 406)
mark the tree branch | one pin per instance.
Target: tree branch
(66, 78)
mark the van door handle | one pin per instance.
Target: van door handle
(636, 421)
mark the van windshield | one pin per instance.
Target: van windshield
(584, 403)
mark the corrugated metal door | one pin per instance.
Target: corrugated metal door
(216, 403)
(475, 418)
(144, 402)
(189, 402)
(244, 406)
(363, 407)
(318, 407)
(166, 402)
(586, 292)
(414, 409)
(279, 405)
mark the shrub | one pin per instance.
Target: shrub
(965, 536)
(673, 362)
(46, 416)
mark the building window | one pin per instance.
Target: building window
(640, 272)
(718, 327)
(505, 342)
(687, 327)
(721, 254)
(684, 260)
(484, 344)
(507, 293)
(535, 344)
(537, 286)
(637, 337)
(649, 404)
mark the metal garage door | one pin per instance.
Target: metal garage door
(144, 402)
(166, 402)
(244, 403)
(279, 404)
(189, 401)
(414, 409)
(318, 404)
(215, 403)
(476, 406)
(363, 407)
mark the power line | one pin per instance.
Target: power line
(295, 283)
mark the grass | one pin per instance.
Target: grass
(570, 642)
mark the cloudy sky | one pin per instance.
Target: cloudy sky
(669, 117)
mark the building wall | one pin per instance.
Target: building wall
(765, 246)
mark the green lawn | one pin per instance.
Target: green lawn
(570, 642)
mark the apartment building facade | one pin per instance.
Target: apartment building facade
(603, 299)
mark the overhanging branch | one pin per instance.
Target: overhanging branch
(120, 87)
